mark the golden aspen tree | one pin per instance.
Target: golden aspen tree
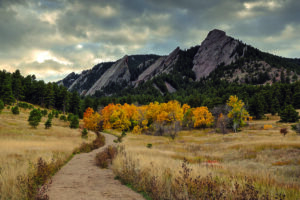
(202, 117)
(238, 112)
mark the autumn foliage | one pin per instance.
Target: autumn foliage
(147, 118)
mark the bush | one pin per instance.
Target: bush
(74, 122)
(48, 123)
(35, 117)
(50, 115)
(70, 117)
(15, 110)
(1, 105)
(289, 114)
(63, 118)
(104, 158)
(149, 146)
(23, 105)
(44, 112)
(283, 131)
(85, 147)
(84, 133)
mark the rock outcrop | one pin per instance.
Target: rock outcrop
(163, 65)
(118, 72)
(217, 48)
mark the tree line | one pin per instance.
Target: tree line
(14, 88)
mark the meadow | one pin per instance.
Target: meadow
(21, 146)
(256, 163)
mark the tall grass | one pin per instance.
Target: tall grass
(256, 163)
(22, 148)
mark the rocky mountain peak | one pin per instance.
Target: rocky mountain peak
(217, 48)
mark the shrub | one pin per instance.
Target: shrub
(84, 133)
(15, 110)
(289, 114)
(70, 117)
(48, 123)
(63, 118)
(87, 147)
(267, 126)
(1, 105)
(149, 146)
(35, 117)
(104, 158)
(23, 105)
(44, 112)
(74, 122)
(283, 131)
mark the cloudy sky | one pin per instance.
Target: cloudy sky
(51, 38)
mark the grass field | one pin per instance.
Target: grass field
(268, 160)
(21, 146)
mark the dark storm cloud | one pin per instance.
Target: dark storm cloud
(70, 35)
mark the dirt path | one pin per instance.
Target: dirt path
(81, 179)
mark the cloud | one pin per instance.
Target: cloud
(61, 36)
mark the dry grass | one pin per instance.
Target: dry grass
(21, 146)
(266, 157)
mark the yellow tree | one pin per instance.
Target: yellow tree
(238, 112)
(202, 117)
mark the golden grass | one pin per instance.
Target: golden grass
(267, 157)
(21, 146)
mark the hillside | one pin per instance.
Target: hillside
(218, 57)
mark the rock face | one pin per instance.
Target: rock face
(118, 72)
(217, 48)
(69, 80)
(162, 65)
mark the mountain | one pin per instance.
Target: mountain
(218, 57)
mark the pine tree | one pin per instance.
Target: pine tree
(17, 87)
(48, 123)
(6, 92)
(49, 98)
(35, 118)
(74, 122)
(296, 100)
(15, 110)
(1, 105)
(257, 106)
(289, 114)
(75, 103)
(275, 106)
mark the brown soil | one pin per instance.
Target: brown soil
(81, 179)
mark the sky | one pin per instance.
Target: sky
(52, 38)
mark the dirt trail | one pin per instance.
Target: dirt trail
(81, 179)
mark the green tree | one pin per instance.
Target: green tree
(289, 114)
(296, 100)
(74, 122)
(1, 105)
(275, 106)
(6, 90)
(84, 133)
(17, 87)
(48, 123)
(257, 106)
(35, 117)
(15, 110)
(75, 103)
(49, 98)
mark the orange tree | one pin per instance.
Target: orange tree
(92, 120)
